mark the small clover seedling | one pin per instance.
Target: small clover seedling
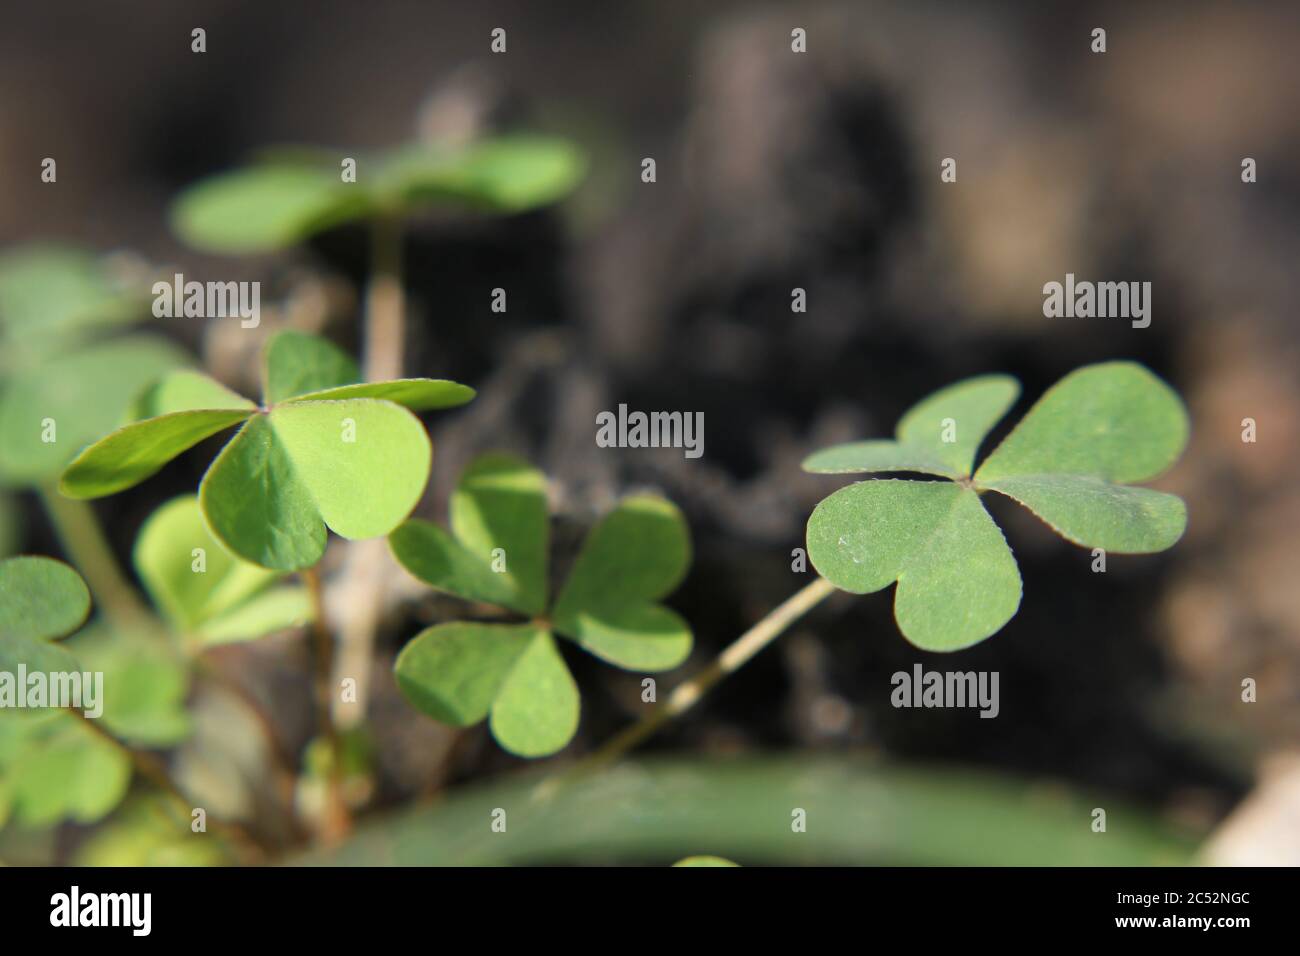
(460, 673)
(204, 591)
(321, 451)
(1070, 461)
(300, 192)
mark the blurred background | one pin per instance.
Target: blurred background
(774, 171)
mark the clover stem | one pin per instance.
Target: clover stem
(337, 819)
(385, 333)
(152, 770)
(367, 562)
(79, 531)
(732, 658)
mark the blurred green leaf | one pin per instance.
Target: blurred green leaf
(53, 768)
(55, 297)
(263, 208)
(146, 681)
(212, 594)
(300, 191)
(74, 400)
(40, 600)
(144, 832)
(858, 812)
(510, 174)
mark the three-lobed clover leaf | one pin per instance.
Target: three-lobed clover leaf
(497, 553)
(322, 451)
(1070, 461)
(41, 600)
(203, 590)
(299, 192)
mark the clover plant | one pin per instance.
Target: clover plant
(322, 450)
(293, 193)
(497, 553)
(1071, 460)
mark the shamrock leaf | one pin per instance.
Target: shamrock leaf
(146, 681)
(205, 591)
(496, 553)
(1068, 461)
(301, 192)
(41, 600)
(322, 451)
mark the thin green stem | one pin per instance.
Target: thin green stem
(687, 695)
(83, 541)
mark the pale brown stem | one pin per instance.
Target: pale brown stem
(367, 562)
(687, 695)
(337, 818)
